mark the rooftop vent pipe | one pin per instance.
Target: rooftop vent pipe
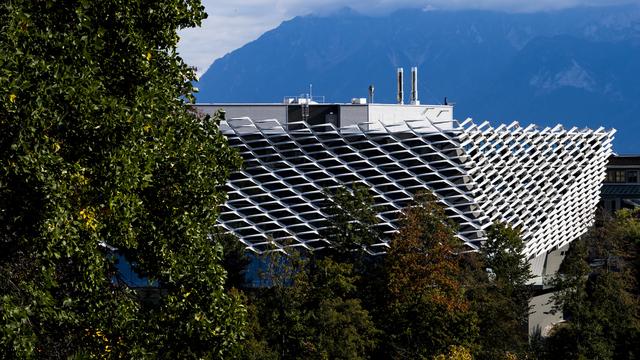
(414, 86)
(400, 86)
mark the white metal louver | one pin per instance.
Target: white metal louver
(546, 181)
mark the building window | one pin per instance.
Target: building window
(615, 176)
(632, 176)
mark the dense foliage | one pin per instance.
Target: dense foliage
(598, 293)
(501, 296)
(427, 310)
(99, 153)
(311, 310)
(312, 307)
(352, 220)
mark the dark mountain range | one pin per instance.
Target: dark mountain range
(579, 67)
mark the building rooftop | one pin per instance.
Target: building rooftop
(359, 115)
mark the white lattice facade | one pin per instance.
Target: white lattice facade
(546, 181)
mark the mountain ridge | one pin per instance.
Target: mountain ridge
(577, 66)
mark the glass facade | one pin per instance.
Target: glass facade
(622, 176)
(615, 176)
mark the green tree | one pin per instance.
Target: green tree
(235, 259)
(598, 294)
(427, 310)
(353, 226)
(99, 150)
(455, 353)
(352, 220)
(500, 295)
(310, 310)
(310, 304)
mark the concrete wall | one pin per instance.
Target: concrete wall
(547, 264)
(352, 115)
(541, 320)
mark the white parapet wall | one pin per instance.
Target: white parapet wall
(544, 180)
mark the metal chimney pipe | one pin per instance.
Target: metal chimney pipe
(414, 86)
(371, 93)
(400, 86)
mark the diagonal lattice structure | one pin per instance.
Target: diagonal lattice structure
(546, 181)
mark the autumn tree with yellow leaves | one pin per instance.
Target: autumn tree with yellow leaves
(427, 310)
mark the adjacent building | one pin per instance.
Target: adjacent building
(621, 188)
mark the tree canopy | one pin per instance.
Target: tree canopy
(598, 293)
(501, 296)
(352, 220)
(426, 298)
(427, 310)
(100, 153)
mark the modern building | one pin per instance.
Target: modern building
(544, 180)
(621, 187)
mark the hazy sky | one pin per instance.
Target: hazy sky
(233, 23)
